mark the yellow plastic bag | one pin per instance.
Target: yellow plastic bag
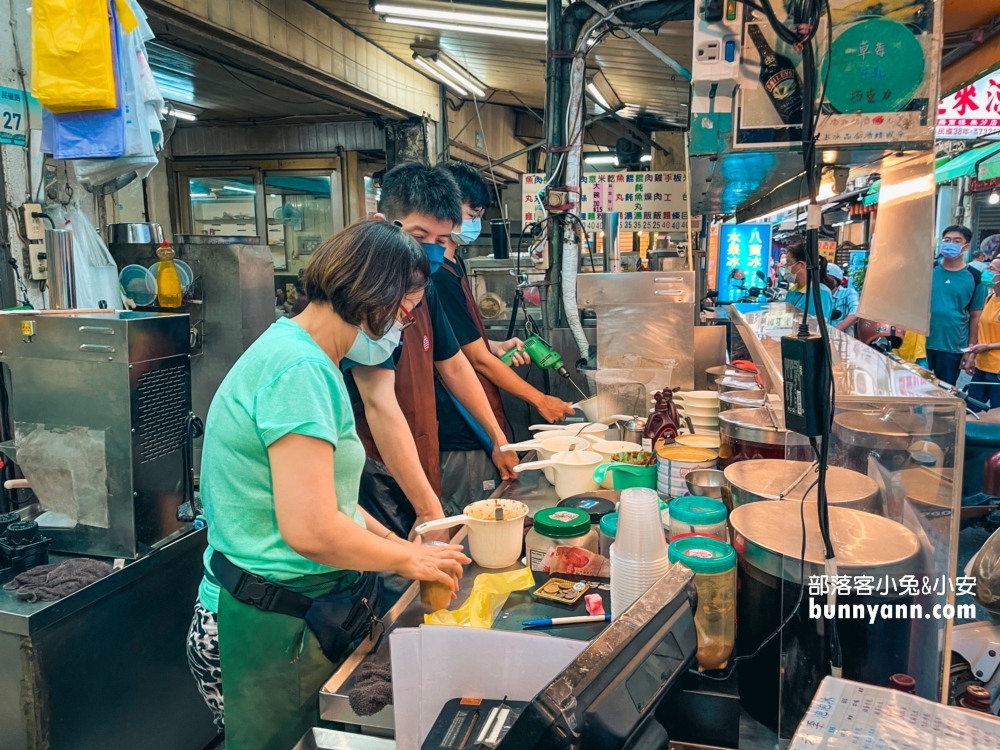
(489, 592)
(72, 66)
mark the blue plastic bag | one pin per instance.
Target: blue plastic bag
(98, 134)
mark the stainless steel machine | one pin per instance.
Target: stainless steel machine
(99, 405)
(231, 303)
(645, 327)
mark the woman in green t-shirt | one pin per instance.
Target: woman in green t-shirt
(281, 467)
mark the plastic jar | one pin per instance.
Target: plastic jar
(697, 515)
(714, 566)
(665, 518)
(606, 537)
(558, 527)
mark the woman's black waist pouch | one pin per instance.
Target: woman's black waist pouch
(339, 620)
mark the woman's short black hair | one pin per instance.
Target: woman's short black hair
(472, 187)
(415, 188)
(795, 249)
(365, 271)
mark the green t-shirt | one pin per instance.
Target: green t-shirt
(954, 296)
(284, 383)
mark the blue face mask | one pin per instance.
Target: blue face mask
(989, 278)
(469, 233)
(951, 249)
(435, 254)
(368, 351)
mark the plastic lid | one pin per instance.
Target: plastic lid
(609, 525)
(697, 511)
(596, 507)
(923, 458)
(702, 554)
(562, 523)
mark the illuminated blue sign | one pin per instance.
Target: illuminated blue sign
(744, 251)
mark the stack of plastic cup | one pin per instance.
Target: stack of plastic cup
(639, 554)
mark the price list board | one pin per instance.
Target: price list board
(846, 714)
(646, 201)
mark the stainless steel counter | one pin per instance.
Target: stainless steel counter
(530, 488)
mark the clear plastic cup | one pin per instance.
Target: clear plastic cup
(640, 532)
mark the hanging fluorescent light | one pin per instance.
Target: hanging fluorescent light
(510, 22)
(598, 97)
(239, 189)
(201, 195)
(171, 111)
(784, 209)
(602, 159)
(433, 72)
(510, 33)
(459, 78)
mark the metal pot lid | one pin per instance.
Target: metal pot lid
(738, 382)
(755, 426)
(927, 486)
(769, 537)
(747, 399)
(781, 479)
(890, 430)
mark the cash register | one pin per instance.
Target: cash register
(607, 697)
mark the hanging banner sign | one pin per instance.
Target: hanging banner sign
(745, 259)
(971, 112)
(647, 201)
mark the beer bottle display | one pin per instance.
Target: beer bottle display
(780, 81)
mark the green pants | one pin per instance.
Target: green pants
(273, 668)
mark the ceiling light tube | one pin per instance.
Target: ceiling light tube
(201, 195)
(180, 114)
(601, 159)
(421, 24)
(510, 22)
(434, 73)
(239, 189)
(646, 158)
(458, 77)
(598, 97)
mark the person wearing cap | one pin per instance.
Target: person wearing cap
(845, 299)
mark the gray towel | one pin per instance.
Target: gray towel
(46, 583)
(372, 689)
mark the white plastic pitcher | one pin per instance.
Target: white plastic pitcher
(492, 544)
(574, 471)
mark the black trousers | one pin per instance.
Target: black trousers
(945, 365)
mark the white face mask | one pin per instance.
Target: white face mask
(368, 351)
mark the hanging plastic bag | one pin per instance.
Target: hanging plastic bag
(72, 65)
(489, 592)
(94, 271)
(95, 134)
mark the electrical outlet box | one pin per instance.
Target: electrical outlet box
(38, 267)
(34, 229)
(708, 51)
(715, 64)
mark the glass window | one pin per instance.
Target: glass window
(299, 217)
(223, 205)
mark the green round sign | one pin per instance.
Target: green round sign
(878, 64)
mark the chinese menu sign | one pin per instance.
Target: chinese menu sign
(971, 112)
(846, 714)
(647, 201)
(744, 251)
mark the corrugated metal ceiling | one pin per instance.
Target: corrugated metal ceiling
(517, 66)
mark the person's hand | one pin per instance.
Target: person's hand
(505, 461)
(440, 535)
(502, 347)
(978, 348)
(969, 362)
(442, 564)
(553, 409)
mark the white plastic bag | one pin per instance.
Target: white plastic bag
(94, 270)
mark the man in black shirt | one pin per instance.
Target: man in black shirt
(466, 471)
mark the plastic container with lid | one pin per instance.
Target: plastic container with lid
(714, 566)
(697, 515)
(608, 531)
(558, 527)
